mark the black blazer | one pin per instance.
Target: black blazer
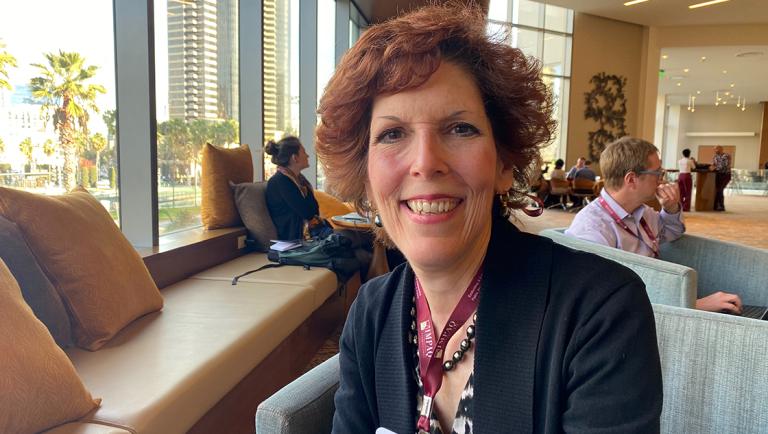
(566, 342)
(288, 207)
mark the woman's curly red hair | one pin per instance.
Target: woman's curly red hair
(402, 54)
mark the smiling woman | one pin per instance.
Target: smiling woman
(425, 122)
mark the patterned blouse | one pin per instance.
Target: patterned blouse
(722, 162)
(462, 422)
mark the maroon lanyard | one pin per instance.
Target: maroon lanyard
(655, 244)
(431, 350)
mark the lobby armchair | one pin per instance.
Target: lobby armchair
(690, 267)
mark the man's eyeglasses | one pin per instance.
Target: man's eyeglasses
(660, 173)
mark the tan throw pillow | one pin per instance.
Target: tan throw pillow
(40, 387)
(98, 274)
(220, 167)
(251, 201)
(331, 206)
(37, 290)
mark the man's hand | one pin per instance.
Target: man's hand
(720, 302)
(669, 197)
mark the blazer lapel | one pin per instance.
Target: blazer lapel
(513, 299)
(395, 385)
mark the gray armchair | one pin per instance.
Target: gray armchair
(714, 366)
(304, 406)
(689, 268)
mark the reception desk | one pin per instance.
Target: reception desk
(705, 191)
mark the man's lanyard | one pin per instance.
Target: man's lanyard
(654, 242)
(431, 350)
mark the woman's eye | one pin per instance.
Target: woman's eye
(390, 136)
(464, 129)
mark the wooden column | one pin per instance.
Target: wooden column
(764, 136)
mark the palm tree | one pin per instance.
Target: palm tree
(98, 143)
(28, 149)
(5, 60)
(65, 95)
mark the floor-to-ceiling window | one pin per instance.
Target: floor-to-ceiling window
(545, 32)
(281, 69)
(197, 99)
(326, 57)
(57, 99)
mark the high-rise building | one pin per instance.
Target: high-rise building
(202, 59)
(276, 67)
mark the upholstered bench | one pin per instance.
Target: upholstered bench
(164, 372)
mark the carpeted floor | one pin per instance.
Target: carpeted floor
(744, 222)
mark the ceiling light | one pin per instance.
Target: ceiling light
(664, 56)
(634, 2)
(701, 5)
(733, 85)
(703, 58)
(725, 71)
(727, 93)
(679, 84)
(686, 70)
(698, 92)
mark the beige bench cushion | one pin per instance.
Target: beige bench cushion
(321, 279)
(86, 428)
(163, 372)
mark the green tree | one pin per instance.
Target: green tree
(200, 133)
(225, 132)
(5, 60)
(67, 98)
(173, 147)
(2, 145)
(98, 143)
(28, 149)
(48, 148)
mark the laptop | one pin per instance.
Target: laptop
(756, 312)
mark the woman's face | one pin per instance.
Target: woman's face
(433, 169)
(302, 159)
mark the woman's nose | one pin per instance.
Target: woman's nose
(429, 156)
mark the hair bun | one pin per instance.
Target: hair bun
(271, 148)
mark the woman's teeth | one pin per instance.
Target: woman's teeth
(439, 206)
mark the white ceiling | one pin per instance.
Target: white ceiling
(673, 12)
(748, 74)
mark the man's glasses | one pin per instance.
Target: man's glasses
(659, 173)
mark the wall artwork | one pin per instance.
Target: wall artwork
(607, 105)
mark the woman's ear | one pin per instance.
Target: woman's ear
(505, 176)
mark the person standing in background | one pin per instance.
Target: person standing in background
(721, 164)
(684, 180)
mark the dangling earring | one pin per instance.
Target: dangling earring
(507, 205)
(377, 220)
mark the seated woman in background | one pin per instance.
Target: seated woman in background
(290, 199)
(433, 125)
(558, 172)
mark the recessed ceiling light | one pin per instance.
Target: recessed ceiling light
(703, 58)
(727, 93)
(686, 70)
(664, 56)
(733, 84)
(698, 92)
(679, 84)
(634, 2)
(701, 5)
(725, 71)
